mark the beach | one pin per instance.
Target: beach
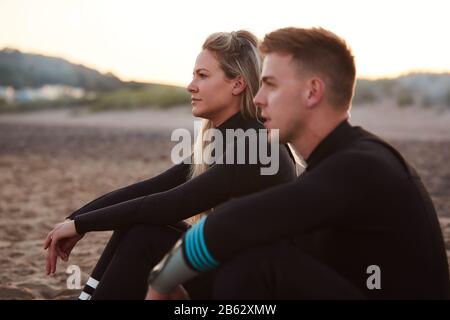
(53, 162)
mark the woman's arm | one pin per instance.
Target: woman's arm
(171, 178)
(215, 186)
(195, 195)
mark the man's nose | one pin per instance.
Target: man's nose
(257, 100)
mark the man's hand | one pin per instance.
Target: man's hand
(60, 242)
(178, 294)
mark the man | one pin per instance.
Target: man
(358, 223)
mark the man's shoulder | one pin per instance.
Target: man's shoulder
(373, 153)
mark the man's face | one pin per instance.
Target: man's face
(281, 96)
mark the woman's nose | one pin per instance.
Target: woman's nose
(192, 88)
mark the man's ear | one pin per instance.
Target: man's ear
(315, 92)
(238, 86)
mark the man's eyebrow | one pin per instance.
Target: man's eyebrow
(200, 69)
(267, 78)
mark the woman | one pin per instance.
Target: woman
(148, 216)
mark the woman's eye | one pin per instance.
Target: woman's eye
(202, 75)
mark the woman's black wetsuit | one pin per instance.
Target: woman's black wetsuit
(148, 216)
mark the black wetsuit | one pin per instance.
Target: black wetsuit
(157, 206)
(358, 204)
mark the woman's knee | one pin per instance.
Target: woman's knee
(147, 239)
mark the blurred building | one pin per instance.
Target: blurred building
(47, 92)
(7, 94)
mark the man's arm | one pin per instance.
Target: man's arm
(322, 198)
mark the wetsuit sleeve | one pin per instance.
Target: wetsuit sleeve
(192, 197)
(171, 178)
(319, 199)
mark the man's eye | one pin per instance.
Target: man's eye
(202, 75)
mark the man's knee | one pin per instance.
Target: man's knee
(279, 271)
(243, 277)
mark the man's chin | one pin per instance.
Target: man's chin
(196, 112)
(274, 133)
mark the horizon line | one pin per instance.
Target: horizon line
(387, 76)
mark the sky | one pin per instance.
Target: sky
(158, 41)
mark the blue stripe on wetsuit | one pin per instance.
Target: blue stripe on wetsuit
(195, 247)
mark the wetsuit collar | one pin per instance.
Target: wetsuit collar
(335, 140)
(233, 122)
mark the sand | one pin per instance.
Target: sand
(53, 162)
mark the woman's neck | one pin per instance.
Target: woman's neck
(218, 119)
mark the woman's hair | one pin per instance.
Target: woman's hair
(238, 55)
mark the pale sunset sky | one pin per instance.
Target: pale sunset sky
(158, 41)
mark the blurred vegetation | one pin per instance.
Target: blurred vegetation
(414, 89)
(3, 103)
(405, 98)
(103, 91)
(106, 92)
(154, 96)
(37, 105)
(20, 70)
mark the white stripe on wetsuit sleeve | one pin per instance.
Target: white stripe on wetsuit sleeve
(84, 296)
(92, 283)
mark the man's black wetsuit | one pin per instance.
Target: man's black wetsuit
(140, 213)
(358, 204)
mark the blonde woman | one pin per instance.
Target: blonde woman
(148, 217)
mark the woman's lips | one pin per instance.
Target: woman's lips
(194, 100)
(267, 123)
(265, 120)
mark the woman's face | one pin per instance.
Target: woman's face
(211, 91)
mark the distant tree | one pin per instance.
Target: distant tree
(428, 101)
(364, 92)
(21, 70)
(447, 99)
(405, 98)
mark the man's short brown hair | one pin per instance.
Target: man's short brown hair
(318, 50)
